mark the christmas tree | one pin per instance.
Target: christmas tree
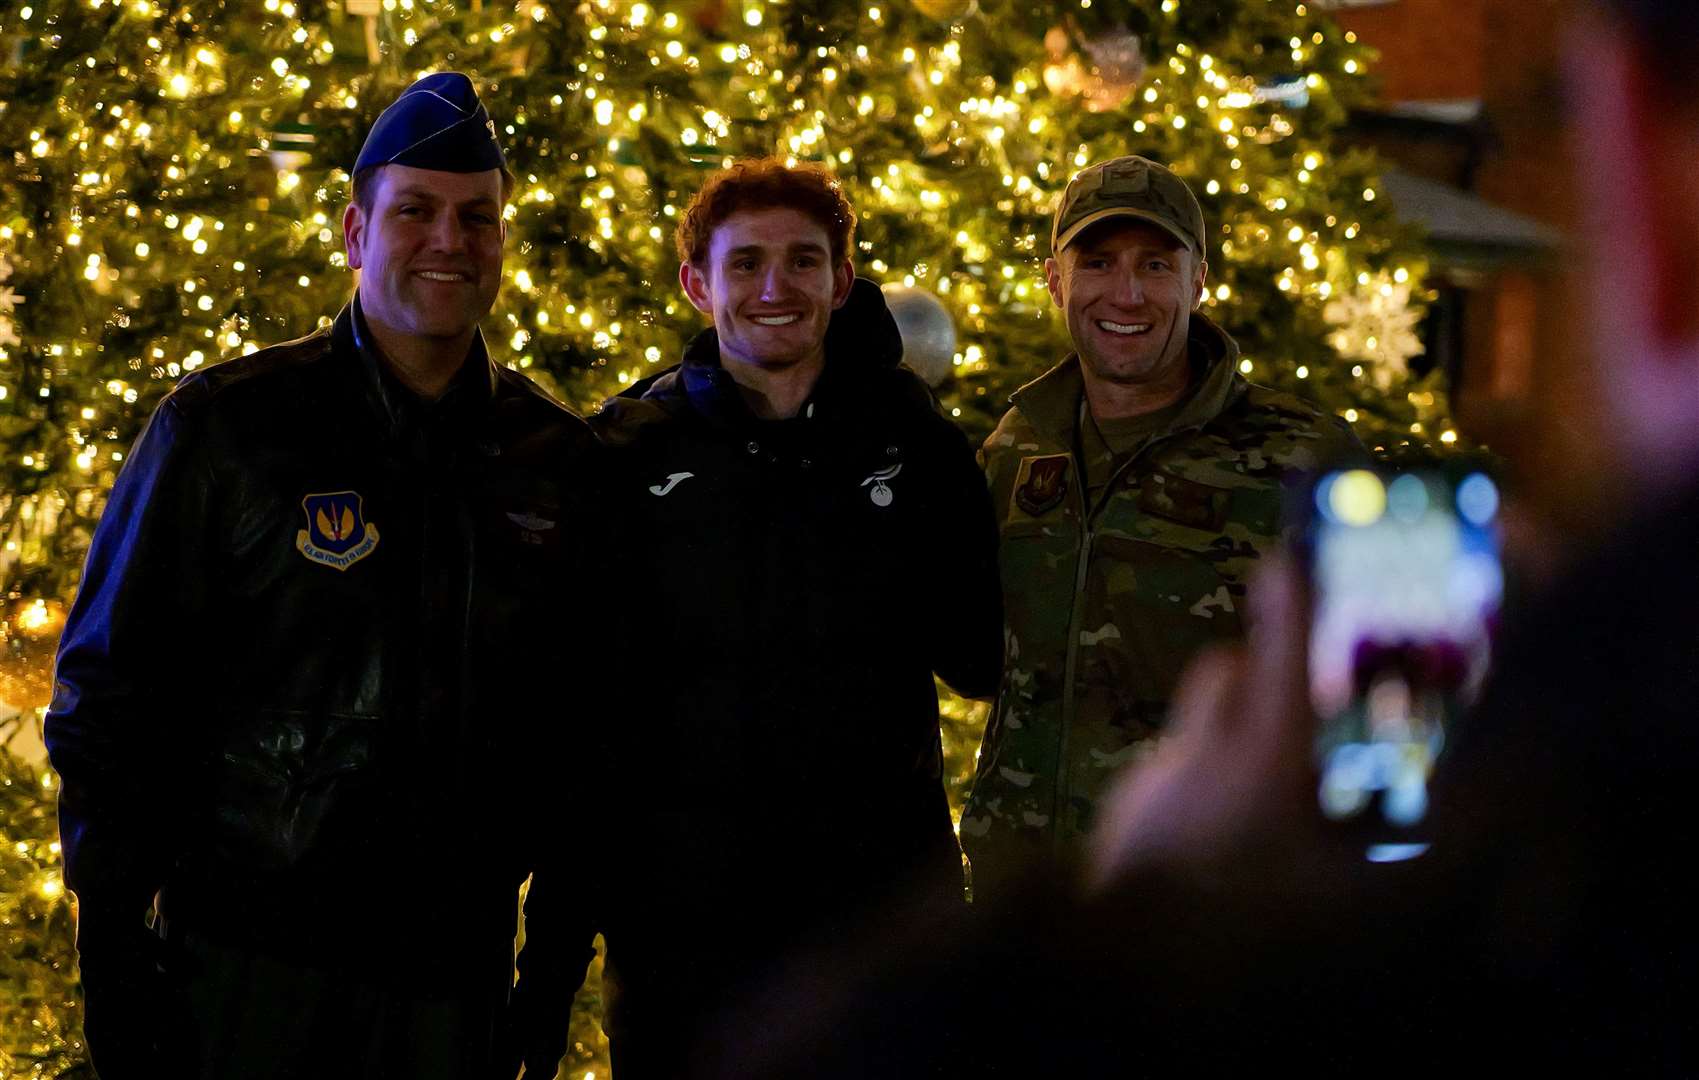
(178, 171)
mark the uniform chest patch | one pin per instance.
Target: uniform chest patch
(337, 533)
(881, 490)
(532, 526)
(1045, 485)
(1187, 502)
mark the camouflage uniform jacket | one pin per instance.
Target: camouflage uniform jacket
(1105, 604)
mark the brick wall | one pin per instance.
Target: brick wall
(1430, 49)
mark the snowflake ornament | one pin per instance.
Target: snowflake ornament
(1376, 328)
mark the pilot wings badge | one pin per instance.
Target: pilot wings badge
(337, 533)
(531, 526)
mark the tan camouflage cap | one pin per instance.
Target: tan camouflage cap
(1132, 187)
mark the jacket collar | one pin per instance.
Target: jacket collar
(708, 386)
(472, 388)
(1051, 402)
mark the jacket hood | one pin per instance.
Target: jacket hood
(1051, 402)
(862, 343)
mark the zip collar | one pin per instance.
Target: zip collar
(472, 388)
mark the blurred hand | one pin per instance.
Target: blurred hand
(1233, 773)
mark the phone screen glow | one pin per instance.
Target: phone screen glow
(1408, 585)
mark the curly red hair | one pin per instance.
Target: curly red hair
(760, 184)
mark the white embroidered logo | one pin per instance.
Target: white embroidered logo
(673, 480)
(881, 494)
(531, 522)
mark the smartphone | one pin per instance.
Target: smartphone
(1407, 585)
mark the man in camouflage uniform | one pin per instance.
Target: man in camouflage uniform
(1136, 483)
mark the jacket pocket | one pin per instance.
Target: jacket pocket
(295, 788)
(1184, 502)
(1149, 609)
(1037, 561)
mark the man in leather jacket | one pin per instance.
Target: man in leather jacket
(810, 542)
(297, 697)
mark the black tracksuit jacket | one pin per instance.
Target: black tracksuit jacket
(792, 588)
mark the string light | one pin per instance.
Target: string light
(968, 221)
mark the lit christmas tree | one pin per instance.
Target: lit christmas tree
(174, 194)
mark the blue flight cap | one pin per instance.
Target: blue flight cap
(437, 123)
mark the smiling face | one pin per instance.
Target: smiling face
(429, 250)
(769, 281)
(1127, 290)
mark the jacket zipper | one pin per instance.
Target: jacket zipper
(1076, 612)
(1071, 657)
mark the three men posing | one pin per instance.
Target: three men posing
(377, 525)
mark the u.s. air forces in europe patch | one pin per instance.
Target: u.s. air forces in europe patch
(337, 533)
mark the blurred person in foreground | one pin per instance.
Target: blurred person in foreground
(1552, 920)
(1550, 927)
(298, 698)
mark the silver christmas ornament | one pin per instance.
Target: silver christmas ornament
(929, 334)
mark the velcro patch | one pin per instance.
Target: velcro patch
(1187, 502)
(1041, 483)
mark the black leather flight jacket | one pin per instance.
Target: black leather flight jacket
(309, 691)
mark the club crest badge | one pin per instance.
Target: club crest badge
(881, 493)
(1046, 484)
(337, 533)
(531, 526)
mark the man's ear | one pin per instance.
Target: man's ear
(1197, 285)
(695, 285)
(1053, 279)
(353, 232)
(843, 279)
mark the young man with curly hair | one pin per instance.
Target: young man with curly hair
(810, 542)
